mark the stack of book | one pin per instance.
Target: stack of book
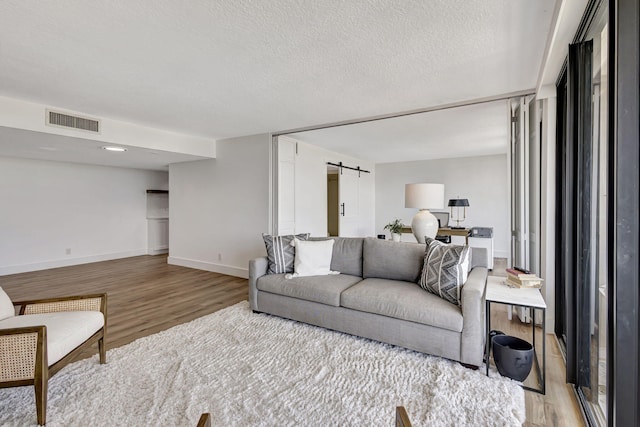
(518, 278)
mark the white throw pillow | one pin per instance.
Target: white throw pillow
(313, 258)
(6, 306)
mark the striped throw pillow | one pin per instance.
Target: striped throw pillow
(281, 253)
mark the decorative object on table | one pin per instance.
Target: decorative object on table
(458, 203)
(519, 278)
(513, 356)
(395, 228)
(424, 196)
(382, 236)
(219, 362)
(443, 219)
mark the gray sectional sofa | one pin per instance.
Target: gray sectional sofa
(376, 296)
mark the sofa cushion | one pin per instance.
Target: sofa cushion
(402, 300)
(322, 289)
(65, 330)
(281, 252)
(392, 260)
(313, 258)
(445, 270)
(347, 254)
(6, 306)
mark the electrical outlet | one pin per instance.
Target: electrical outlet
(67, 251)
(219, 257)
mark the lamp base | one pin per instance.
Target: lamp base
(424, 224)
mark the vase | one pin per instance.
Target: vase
(513, 356)
(395, 237)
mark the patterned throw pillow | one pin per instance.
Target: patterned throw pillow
(445, 270)
(281, 252)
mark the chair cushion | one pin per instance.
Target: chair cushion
(6, 306)
(65, 330)
(322, 289)
(383, 259)
(402, 300)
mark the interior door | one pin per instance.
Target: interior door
(348, 193)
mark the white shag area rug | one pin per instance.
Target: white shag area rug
(251, 369)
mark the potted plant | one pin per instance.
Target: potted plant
(395, 228)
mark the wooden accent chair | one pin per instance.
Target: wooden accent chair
(45, 336)
(204, 421)
(402, 418)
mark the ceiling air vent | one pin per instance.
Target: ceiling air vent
(55, 118)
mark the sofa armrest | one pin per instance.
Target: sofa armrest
(24, 354)
(479, 257)
(257, 268)
(473, 312)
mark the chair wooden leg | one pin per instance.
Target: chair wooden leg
(40, 385)
(102, 351)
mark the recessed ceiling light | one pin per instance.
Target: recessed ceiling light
(111, 148)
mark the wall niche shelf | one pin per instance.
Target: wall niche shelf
(157, 222)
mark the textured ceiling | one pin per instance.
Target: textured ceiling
(238, 67)
(474, 130)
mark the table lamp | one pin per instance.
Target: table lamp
(458, 203)
(424, 196)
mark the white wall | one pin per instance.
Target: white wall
(311, 189)
(220, 208)
(482, 180)
(46, 208)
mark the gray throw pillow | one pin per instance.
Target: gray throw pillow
(445, 270)
(280, 252)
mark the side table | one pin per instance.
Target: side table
(498, 292)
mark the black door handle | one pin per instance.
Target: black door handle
(342, 204)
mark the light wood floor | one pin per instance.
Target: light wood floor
(146, 295)
(558, 407)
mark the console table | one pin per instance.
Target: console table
(498, 292)
(446, 231)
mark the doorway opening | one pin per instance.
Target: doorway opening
(333, 201)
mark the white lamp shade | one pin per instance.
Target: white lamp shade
(424, 196)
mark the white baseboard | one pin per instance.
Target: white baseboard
(157, 251)
(45, 265)
(209, 266)
(501, 254)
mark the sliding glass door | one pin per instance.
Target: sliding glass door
(582, 220)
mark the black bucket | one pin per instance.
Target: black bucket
(513, 356)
